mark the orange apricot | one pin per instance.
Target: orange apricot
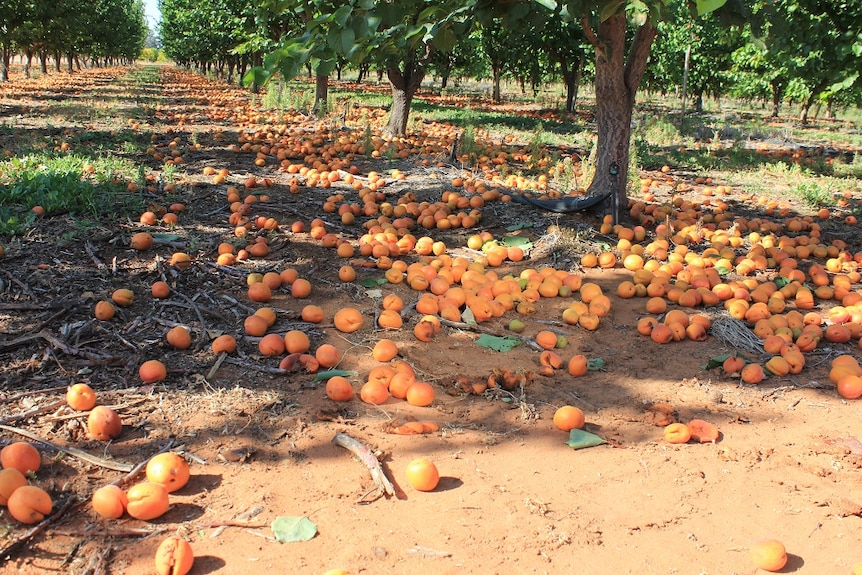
(174, 556)
(168, 469)
(10, 480)
(384, 350)
(677, 433)
(147, 501)
(569, 417)
(109, 501)
(152, 371)
(422, 475)
(22, 456)
(769, 555)
(348, 320)
(80, 397)
(420, 394)
(702, 431)
(339, 388)
(104, 423)
(29, 504)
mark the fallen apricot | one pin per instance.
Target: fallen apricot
(347, 320)
(109, 501)
(174, 557)
(569, 417)
(22, 456)
(168, 469)
(147, 501)
(422, 474)
(10, 480)
(677, 433)
(104, 423)
(81, 397)
(702, 431)
(152, 371)
(769, 555)
(29, 504)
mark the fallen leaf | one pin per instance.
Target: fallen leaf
(288, 529)
(580, 439)
(497, 343)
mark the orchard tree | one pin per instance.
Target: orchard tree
(622, 34)
(15, 14)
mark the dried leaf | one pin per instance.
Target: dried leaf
(288, 529)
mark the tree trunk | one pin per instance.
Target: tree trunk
(777, 96)
(43, 62)
(497, 73)
(404, 86)
(363, 70)
(57, 61)
(616, 84)
(256, 60)
(572, 79)
(28, 63)
(809, 101)
(698, 103)
(321, 94)
(5, 57)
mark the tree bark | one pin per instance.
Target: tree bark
(321, 94)
(43, 62)
(617, 78)
(5, 57)
(404, 85)
(497, 72)
(777, 96)
(809, 101)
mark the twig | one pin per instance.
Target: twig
(244, 516)
(19, 283)
(35, 411)
(7, 550)
(109, 532)
(219, 360)
(255, 367)
(201, 341)
(88, 246)
(367, 457)
(96, 564)
(74, 452)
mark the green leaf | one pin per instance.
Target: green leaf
(289, 529)
(595, 364)
(342, 15)
(517, 241)
(330, 373)
(707, 6)
(610, 9)
(521, 226)
(497, 343)
(445, 39)
(716, 361)
(468, 317)
(580, 439)
(372, 282)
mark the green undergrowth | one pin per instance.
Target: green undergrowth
(65, 183)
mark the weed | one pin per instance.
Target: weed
(813, 194)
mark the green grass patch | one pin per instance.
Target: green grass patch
(65, 183)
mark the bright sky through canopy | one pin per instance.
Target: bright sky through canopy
(151, 10)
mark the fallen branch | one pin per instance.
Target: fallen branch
(367, 457)
(109, 532)
(24, 537)
(73, 451)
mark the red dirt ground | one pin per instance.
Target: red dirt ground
(513, 497)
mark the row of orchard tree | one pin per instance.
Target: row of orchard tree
(77, 32)
(809, 51)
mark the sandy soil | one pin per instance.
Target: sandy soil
(513, 497)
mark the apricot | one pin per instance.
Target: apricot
(769, 555)
(29, 504)
(677, 433)
(104, 423)
(702, 431)
(109, 501)
(147, 501)
(174, 556)
(123, 297)
(348, 320)
(152, 371)
(81, 397)
(569, 417)
(22, 456)
(10, 480)
(168, 469)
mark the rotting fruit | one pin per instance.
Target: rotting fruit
(174, 557)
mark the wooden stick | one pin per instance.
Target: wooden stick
(367, 457)
(130, 476)
(73, 451)
(30, 413)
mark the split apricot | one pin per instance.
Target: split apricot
(174, 556)
(147, 501)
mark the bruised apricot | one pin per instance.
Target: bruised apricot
(168, 469)
(104, 423)
(702, 431)
(29, 504)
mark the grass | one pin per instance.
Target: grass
(63, 183)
